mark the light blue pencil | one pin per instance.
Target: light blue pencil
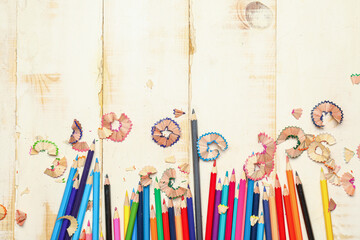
(249, 203)
(65, 199)
(260, 228)
(146, 209)
(224, 201)
(96, 201)
(235, 213)
(83, 205)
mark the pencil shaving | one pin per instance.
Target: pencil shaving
(81, 147)
(332, 176)
(3, 212)
(26, 191)
(89, 205)
(332, 205)
(330, 164)
(166, 132)
(267, 155)
(254, 220)
(20, 217)
(321, 158)
(104, 132)
(304, 145)
(77, 132)
(170, 159)
(119, 133)
(58, 168)
(73, 224)
(323, 108)
(147, 170)
(204, 142)
(348, 155)
(294, 133)
(178, 113)
(355, 78)
(297, 112)
(348, 183)
(222, 209)
(254, 169)
(166, 184)
(325, 137)
(184, 168)
(44, 145)
(81, 161)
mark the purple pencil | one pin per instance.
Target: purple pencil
(69, 207)
(80, 192)
(215, 230)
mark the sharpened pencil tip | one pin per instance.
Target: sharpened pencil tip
(115, 208)
(296, 173)
(97, 160)
(193, 111)
(264, 189)
(257, 184)
(219, 180)
(227, 174)
(214, 165)
(277, 177)
(133, 190)
(233, 172)
(106, 176)
(94, 141)
(77, 157)
(188, 186)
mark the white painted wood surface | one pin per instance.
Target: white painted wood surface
(199, 54)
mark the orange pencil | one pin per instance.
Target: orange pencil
(165, 217)
(153, 224)
(184, 220)
(289, 217)
(293, 200)
(178, 224)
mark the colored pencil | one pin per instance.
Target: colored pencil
(211, 201)
(178, 224)
(165, 217)
(184, 219)
(325, 203)
(233, 229)
(249, 204)
(140, 214)
(101, 236)
(116, 221)
(133, 213)
(240, 219)
(134, 232)
(69, 206)
(80, 192)
(146, 215)
(273, 215)
(266, 210)
(255, 210)
(108, 215)
(224, 201)
(293, 200)
(83, 205)
(260, 231)
(65, 200)
(154, 235)
(279, 209)
(215, 229)
(159, 222)
(289, 217)
(88, 231)
(172, 227)
(83, 235)
(96, 201)
(230, 211)
(126, 212)
(196, 173)
(303, 206)
(190, 210)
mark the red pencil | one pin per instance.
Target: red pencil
(210, 211)
(165, 217)
(230, 210)
(184, 219)
(279, 209)
(289, 216)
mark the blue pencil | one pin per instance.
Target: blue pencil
(69, 207)
(96, 201)
(64, 201)
(139, 220)
(235, 213)
(190, 210)
(266, 209)
(83, 205)
(171, 212)
(260, 230)
(249, 203)
(146, 215)
(255, 210)
(224, 201)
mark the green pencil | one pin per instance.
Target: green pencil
(134, 208)
(159, 222)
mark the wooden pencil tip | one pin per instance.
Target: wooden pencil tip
(106, 176)
(287, 159)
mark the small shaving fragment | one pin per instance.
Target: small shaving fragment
(57, 169)
(297, 112)
(348, 183)
(20, 217)
(60, 180)
(355, 78)
(73, 224)
(3, 212)
(26, 191)
(129, 169)
(184, 168)
(332, 205)
(81, 161)
(89, 205)
(149, 84)
(222, 209)
(348, 155)
(170, 159)
(147, 170)
(254, 220)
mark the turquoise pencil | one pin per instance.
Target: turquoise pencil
(224, 201)
(65, 199)
(146, 209)
(83, 206)
(96, 201)
(249, 203)
(260, 228)
(233, 230)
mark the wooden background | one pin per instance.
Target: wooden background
(62, 60)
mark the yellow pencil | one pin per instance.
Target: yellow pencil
(325, 202)
(126, 212)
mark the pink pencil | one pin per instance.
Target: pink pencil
(117, 233)
(240, 217)
(88, 232)
(230, 210)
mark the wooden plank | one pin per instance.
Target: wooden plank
(8, 113)
(146, 77)
(233, 81)
(317, 52)
(59, 70)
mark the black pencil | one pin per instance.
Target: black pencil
(194, 138)
(108, 208)
(304, 209)
(140, 214)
